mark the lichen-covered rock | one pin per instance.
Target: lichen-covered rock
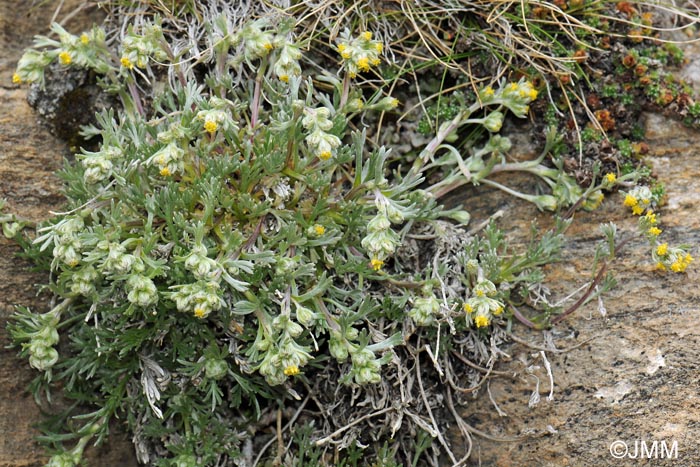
(67, 101)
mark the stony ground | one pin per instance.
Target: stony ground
(29, 155)
(634, 377)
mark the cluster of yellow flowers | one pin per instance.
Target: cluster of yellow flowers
(359, 53)
(677, 259)
(137, 49)
(287, 64)
(481, 307)
(515, 96)
(85, 50)
(648, 224)
(318, 122)
(639, 199)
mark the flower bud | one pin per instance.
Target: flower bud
(306, 316)
(42, 357)
(10, 229)
(463, 217)
(493, 122)
(472, 266)
(362, 357)
(354, 105)
(48, 335)
(284, 323)
(337, 347)
(424, 310)
(215, 368)
(285, 266)
(378, 223)
(547, 202)
(185, 460)
(65, 459)
(142, 291)
(367, 375)
(395, 215)
(385, 104)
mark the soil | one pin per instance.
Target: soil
(633, 376)
(29, 157)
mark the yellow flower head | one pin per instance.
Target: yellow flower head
(655, 231)
(84, 39)
(342, 47)
(488, 91)
(595, 200)
(610, 178)
(319, 229)
(376, 61)
(651, 217)
(379, 47)
(678, 266)
(291, 370)
(367, 35)
(479, 293)
(325, 155)
(637, 210)
(268, 46)
(660, 266)
(65, 58)
(481, 321)
(363, 64)
(16, 79)
(284, 78)
(126, 63)
(532, 94)
(687, 259)
(376, 264)
(468, 308)
(630, 201)
(498, 310)
(210, 126)
(165, 172)
(73, 263)
(199, 312)
(662, 249)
